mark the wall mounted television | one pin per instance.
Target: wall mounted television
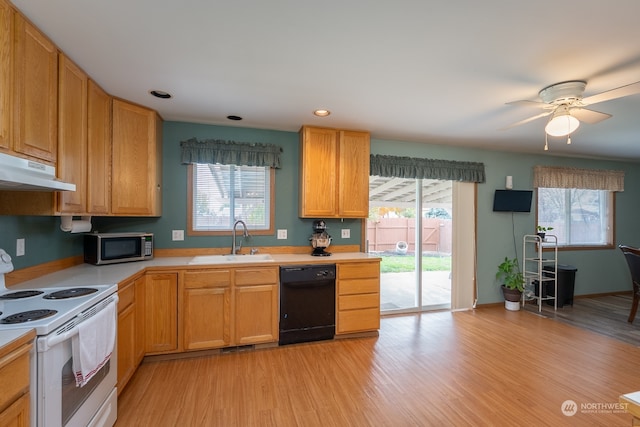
(512, 201)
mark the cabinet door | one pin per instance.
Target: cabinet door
(126, 345)
(318, 174)
(354, 164)
(17, 415)
(98, 150)
(72, 136)
(139, 343)
(35, 115)
(256, 312)
(207, 309)
(136, 161)
(6, 72)
(161, 312)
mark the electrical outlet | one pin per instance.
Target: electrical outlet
(177, 235)
(282, 234)
(346, 233)
(19, 247)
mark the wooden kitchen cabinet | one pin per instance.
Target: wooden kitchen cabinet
(256, 305)
(72, 136)
(98, 150)
(358, 293)
(334, 173)
(35, 97)
(136, 160)
(15, 365)
(161, 312)
(126, 333)
(6, 72)
(206, 309)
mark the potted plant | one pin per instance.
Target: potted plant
(512, 283)
(542, 231)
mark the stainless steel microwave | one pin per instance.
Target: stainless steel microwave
(112, 248)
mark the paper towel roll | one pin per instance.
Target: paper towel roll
(68, 224)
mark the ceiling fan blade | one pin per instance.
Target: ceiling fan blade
(630, 89)
(525, 103)
(589, 116)
(530, 119)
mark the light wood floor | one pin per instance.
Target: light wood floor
(488, 367)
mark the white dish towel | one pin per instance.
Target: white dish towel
(94, 343)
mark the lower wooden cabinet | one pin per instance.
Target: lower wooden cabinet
(131, 343)
(15, 373)
(161, 313)
(358, 289)
(256, 305)
(206, 309)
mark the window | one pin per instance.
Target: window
(221, 194)
(579, 217)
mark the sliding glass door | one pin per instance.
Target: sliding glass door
(410, 227)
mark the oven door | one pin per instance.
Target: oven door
(59, 402)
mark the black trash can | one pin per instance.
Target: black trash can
(566, 283)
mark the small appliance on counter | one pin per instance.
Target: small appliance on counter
(112, 248)
(320, 239)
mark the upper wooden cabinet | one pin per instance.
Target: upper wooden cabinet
(72, 136)
(6, 72)
(334, 173)
(98, 150)
(35, 106)
(137, 160)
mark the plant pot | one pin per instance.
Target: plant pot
(512, 295)
(511, 305)
(541, 235)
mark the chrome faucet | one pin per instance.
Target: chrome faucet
(245, 234)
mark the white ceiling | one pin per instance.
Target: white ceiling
(434, 72)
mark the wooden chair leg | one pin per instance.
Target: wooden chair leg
(634, 305)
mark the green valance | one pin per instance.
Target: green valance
(212, 151)
(417, 168)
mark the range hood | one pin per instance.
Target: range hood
(18, 174)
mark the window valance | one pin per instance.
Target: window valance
(590, 179)
(212, 151)
(417, 168)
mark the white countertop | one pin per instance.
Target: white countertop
(6, 336)
(88, 275)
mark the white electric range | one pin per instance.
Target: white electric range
(55, 313)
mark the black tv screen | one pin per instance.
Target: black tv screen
(512, 201)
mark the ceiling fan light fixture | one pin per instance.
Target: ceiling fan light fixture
(562, 124)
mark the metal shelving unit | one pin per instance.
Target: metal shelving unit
(534, 249)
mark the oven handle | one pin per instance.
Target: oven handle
(46, 342)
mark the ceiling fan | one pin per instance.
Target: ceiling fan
(567, 108)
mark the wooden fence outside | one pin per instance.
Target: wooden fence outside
(385, 233)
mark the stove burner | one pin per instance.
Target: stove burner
(70, 293)
(27, 316)
(20, 294)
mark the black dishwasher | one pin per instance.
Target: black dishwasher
(307, 303)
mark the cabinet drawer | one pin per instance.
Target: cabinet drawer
(358, 286)
(256, 276)
(358, 270)
(367, 319)
(351, 302)
(126, 296)
(207, 279)
(14, 371)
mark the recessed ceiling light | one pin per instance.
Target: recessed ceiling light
(236, 118)
(322, 113)
(160, 94)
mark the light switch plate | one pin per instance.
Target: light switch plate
(19, 247)
(346, 233)
(282, 234)
(177, 234)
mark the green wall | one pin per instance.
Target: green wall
(598, 271)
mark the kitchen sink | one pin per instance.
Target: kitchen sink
(228, 259)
